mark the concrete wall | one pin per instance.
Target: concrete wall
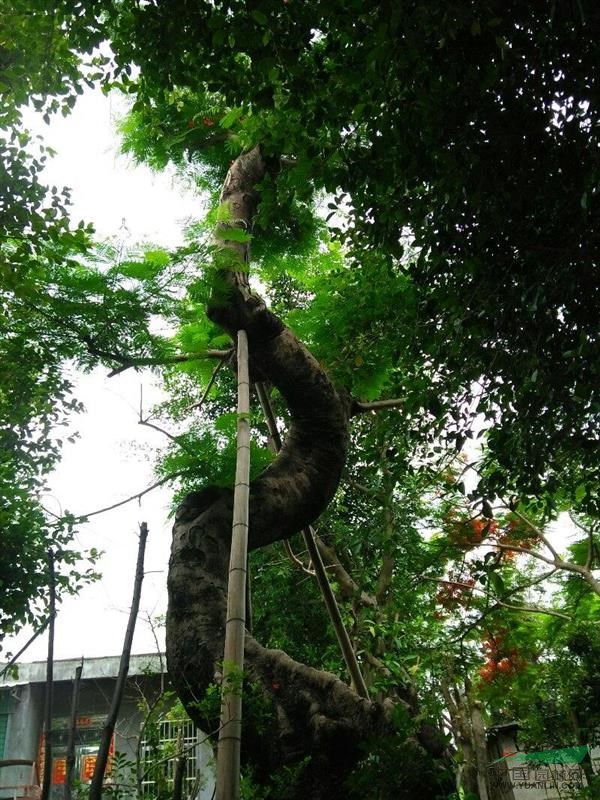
(25, 719)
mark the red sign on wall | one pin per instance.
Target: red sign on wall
(88, 764)
(59, 771)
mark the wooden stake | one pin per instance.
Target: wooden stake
(230, 733)
(72, 733)
(331, 605)
(46, 784)
(179, 774)
(96, 784)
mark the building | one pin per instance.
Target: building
(141, 745)
(514, 774)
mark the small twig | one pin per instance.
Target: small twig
(534, 610)
(295, 560)
(137, 496)
(211, 382)
(175, 439)
(538, 532)
(376, 405)
(30, 641)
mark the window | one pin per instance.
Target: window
(3, 729)
(159, 749)
(4, 715)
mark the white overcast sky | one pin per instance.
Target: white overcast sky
(113, 457)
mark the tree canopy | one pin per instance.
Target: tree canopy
(423, 215)
(468, 137)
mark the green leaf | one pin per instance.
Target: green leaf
(259, 17)
(231, 117)
(233, 235)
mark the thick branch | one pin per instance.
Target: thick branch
(348, 587)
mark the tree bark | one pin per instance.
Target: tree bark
(317, 723)
(479, 743)
(460, 716)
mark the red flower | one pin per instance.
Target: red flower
(487, 671)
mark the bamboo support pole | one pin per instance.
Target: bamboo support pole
(230, 733)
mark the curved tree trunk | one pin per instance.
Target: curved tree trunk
(314, 715)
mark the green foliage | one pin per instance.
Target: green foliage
(206, 454)
(306, 637)
(279, 783)
(455, 156)
(64, 305)
(258, 707)
(444, 130)
(557, 697)
(394, 767)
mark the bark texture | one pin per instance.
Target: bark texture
(312, 714)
